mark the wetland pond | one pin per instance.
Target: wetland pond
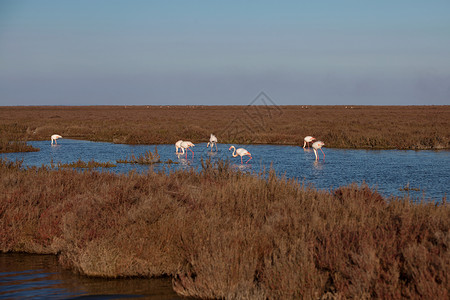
(422, 175)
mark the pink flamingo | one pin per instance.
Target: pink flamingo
(187, 145)
(178, 146)
(318, 145)
(241, 152)
(55, 137)
(212, 142)
(308, 139)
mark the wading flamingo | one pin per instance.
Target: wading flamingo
(178, 146)
(55, 137)
(318, 145)
(212, 141)
(308, 139)
(241, 152)
(187, 145)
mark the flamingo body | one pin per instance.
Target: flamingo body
(308, 139)
(187, 145)
(178, 146)
(241, 152)
(55, 137)
(316, 146)
(212, 142)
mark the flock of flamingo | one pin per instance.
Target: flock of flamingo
(316, 145)
(185, 145)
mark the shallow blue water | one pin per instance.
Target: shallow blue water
(386, 170)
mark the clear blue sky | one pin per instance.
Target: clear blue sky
(96, 52)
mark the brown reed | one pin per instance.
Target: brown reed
(13, 139)
(85, 165)
(220, 233)
(147, 158)
(369, 127)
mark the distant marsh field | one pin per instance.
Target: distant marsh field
(354, 127)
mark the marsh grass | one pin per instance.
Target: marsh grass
(220, 233)
(80, 164)
(13, 139)
(407, 187)
(144, 159)
(365, 127)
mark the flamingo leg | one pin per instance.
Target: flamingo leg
(241, 159)
(323, 154)
(315, 153)
(304, 144)
(191, 151)
(216, 146)
(249, 159)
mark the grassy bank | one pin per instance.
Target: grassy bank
(13, 138)
(224, 234)
(369, 127)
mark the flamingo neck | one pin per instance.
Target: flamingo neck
(234, 151)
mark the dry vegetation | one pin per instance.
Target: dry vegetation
(13, 138)
(92, 164)
(220, 233)
(371, 127)
(147, 158)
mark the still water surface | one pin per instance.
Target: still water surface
(25, 276)
(388, 171)
(39, 277)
